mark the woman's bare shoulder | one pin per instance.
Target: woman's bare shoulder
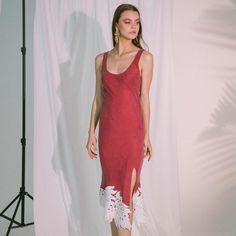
(99, 56)
(146, 59)
(98, 59)
(146, 55)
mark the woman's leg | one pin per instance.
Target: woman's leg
(126, 232)
(114, 230)
(121, 232)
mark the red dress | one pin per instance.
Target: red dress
(120, 143)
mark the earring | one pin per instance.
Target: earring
(116, 36)
(136, 39)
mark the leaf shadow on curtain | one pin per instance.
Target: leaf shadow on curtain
(216, 144)
(77, 171)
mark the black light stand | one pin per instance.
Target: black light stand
(22, 193)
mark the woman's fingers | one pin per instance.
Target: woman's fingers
(144, 150)
(150, 151)
(147, 152)
(92, 153)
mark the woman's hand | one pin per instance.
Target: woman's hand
(92, 146)
(147, 148)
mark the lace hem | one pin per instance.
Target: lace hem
(113, 207)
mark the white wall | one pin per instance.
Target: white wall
(10, 105)
(205, 73)
(204, 47)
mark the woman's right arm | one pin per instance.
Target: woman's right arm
(96, 107)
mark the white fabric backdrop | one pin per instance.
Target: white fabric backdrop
(68, 35)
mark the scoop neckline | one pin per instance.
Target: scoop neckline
(126, 68)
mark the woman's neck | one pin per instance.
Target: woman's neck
(123, 47)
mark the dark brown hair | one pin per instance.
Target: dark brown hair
(121, 8)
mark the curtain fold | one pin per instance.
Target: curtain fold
(68, 34)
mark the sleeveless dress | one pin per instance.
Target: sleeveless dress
(120, 144)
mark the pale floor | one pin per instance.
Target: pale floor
(25, 231)
(29, 231)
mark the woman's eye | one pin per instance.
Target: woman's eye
(129, 22)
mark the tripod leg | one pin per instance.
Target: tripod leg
(29, 195)
(10, 204)
(13, 217)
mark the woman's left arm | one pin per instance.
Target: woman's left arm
(147, 74)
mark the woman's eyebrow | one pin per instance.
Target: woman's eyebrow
(131, 19)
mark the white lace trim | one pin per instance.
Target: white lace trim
(113, 207)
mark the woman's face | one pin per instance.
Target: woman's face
(128, 24)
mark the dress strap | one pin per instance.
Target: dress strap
(138, 55)
(104, 60)
(135, 60)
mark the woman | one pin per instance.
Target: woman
(121, 103)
